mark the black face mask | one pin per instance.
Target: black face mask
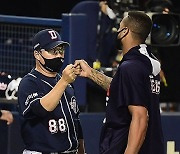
(53, 65)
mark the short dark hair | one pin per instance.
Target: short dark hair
(139, 23)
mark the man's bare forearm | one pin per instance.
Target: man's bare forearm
(138, 128)
(101, 79)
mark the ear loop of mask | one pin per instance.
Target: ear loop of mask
(121, 31)
(39, 52)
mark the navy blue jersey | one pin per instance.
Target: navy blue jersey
(55, 131)
(136, 82)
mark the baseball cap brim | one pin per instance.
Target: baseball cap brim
(55, 44)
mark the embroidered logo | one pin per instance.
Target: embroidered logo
(73, 104)
(33, 95)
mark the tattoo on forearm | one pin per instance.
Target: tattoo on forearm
(101, 79)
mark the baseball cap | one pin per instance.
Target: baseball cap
(47, 39)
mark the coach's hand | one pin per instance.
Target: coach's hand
(68, 74)
(77, 69)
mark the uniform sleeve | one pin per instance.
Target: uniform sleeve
(133, 86)
(29, 100)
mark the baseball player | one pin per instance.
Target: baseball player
(133, 121)
(47, 104)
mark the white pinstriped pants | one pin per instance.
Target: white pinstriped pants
(35, 152)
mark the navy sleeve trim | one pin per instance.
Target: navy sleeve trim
(24, 112)
(39, 110)
(36, 108)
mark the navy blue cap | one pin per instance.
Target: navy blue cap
(47, 39)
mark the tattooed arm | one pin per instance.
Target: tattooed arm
(101, 79)
(84, 70)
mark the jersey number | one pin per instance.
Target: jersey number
(155, 86)
(55, 126)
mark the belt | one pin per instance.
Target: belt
(36, 152)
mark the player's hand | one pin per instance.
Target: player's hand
(68, 74)
(84, 69)
(7, 116)
(77, 69)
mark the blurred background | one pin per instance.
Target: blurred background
(91, 31)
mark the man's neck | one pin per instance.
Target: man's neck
(126, 47)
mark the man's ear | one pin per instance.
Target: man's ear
(36, 55)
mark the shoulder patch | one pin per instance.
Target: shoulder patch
(30, 97)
